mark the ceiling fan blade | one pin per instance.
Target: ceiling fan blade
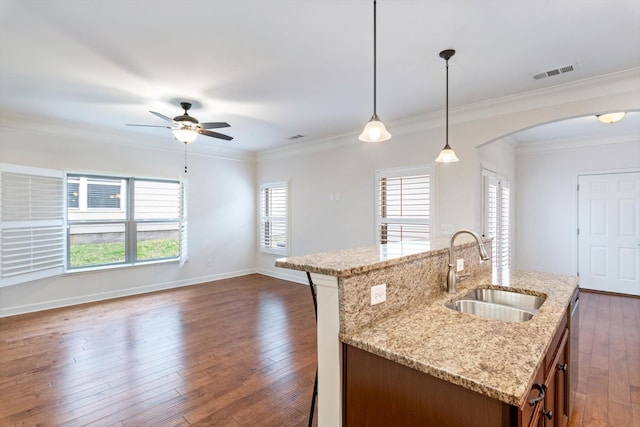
(214, 125)
(163, 117)
(215, 134)
(150, 126)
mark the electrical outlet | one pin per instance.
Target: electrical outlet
(378, 294)
(460, 264)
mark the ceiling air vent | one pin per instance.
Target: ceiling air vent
(294, 137)
(555, 72)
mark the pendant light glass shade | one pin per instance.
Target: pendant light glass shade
(447, 155)
(374, 130)
(184, 135)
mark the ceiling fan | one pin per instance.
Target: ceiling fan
(186, 128)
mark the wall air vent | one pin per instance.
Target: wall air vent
(555, 72)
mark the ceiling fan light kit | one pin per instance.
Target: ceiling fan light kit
(374, 130)
(184, 134)
(447, 155)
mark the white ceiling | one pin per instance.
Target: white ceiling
(278, 68)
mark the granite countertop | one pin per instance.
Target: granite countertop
(348, 262)
(497, 359)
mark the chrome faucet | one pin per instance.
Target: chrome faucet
(451, 276)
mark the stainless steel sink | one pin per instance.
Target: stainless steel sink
(498, 304)
(491, 311)
(530, 303)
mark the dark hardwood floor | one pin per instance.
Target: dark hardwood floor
(237, 352)
(609, 377)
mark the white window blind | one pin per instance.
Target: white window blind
(273, 227)
(403, 202)
(32, 235)
(497, 222)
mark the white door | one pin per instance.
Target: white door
(608, 232)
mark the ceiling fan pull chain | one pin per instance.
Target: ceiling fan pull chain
(185, 157)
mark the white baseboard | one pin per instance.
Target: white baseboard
(289, 275)
(83, 299)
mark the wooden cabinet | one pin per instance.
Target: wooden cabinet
(551, 406)
(379, 392)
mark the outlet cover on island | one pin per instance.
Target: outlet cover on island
(460, 264)
(378, 294)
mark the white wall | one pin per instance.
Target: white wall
(546, 199)
(221, 208)
(347, 166)
(222, 184)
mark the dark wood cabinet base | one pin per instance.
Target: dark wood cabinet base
(380, 392)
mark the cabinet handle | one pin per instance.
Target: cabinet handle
(563, 367)
(541, 388)
(547, 414)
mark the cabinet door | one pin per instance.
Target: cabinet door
(561, 385)
(554, 411)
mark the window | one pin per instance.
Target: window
(403, 205)
(273, 229)
(497, 222)
(32, 239)
(109, 221)
(113, 220)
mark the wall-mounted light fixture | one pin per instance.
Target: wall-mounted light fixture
(374, 130)
(611, 117)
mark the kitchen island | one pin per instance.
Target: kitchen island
(414, 328)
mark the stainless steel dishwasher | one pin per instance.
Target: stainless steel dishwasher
(574, 329)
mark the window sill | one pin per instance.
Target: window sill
(118, 266)
(274, 252)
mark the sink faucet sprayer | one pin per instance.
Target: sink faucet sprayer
(451, 276)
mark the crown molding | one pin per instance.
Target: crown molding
(574, 143)
(24, 123)
(624, 82)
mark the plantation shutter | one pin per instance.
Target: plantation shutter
(403, 205)
(504, 224)
(184, 248)
(273, 228)
(32, 234)
(497, 222)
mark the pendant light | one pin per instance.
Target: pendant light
(447, 155)
(374, 130)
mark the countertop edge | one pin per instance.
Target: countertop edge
(551, 318)
(325, 262)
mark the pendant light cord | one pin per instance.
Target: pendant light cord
(446, 138)
(375, 85)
